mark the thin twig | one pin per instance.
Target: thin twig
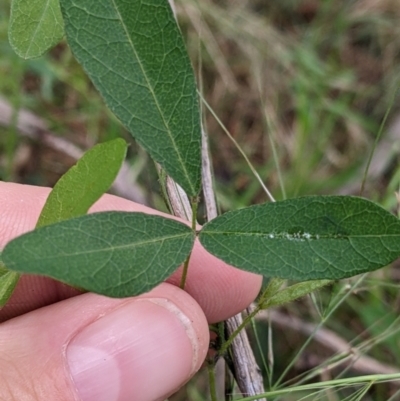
(249, 378)
(247, 373)
(31, 126)
(208, 188)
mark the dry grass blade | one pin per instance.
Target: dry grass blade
(330, 340)
(211, 44)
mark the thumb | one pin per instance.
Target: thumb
(93, 348)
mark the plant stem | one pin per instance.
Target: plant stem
(194, 203)
(211, 379)
(246, 321)
(272, 289)
(185, 272)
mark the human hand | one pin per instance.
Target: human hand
(57, 344)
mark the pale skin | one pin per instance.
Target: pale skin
(57, 344)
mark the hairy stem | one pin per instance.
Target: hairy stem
(211, 379)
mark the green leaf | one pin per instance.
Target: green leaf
(117, 254)
(294, 292)
(134, 54)
(83, 184)
(308, 238)
(77, 190)
(35, 26)
(8, 281)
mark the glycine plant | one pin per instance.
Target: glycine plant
(135, 56)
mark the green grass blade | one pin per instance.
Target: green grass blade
(308, 238)
(118, 254)
(35, 26)
(134, 54)
(82, 185)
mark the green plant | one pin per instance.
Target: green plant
(134, 54)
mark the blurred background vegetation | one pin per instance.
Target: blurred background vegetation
(304, 87)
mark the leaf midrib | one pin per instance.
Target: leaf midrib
(155, 99)
(120, 247)
(283, 235)
(46, 6)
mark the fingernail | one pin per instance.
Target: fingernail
(143, 351)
